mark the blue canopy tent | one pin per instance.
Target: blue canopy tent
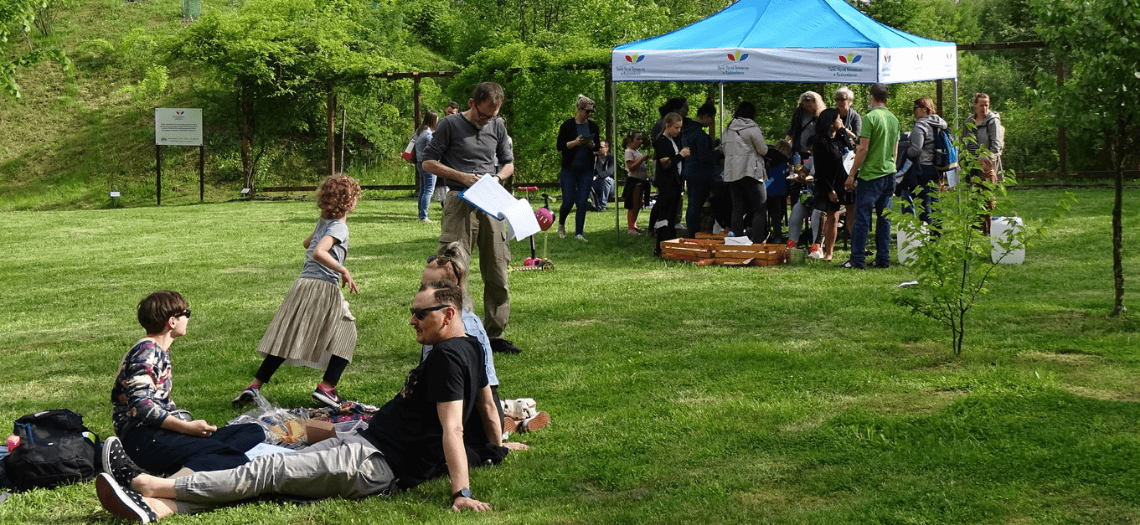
(786, 41)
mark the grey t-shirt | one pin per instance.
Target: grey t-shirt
(336, 229)
(460, 145)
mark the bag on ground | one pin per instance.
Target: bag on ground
(55, 448)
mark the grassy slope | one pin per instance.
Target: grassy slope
(66, 145)
(679, 393)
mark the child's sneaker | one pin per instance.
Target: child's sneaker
(816, 252)
(327, 396)
(246, 397)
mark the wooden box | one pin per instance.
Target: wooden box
(688, 249)
(756, 254)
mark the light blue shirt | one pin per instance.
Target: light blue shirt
(474, 328)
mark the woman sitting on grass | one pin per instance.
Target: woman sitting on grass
(313, 326)
(154, 433)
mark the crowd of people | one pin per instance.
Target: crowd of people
(833, 166)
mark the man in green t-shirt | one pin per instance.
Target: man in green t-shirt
(875, 165)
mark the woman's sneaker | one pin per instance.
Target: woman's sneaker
(535, 422)
(118, 464)
(816, 252)
(246, 397)
(327, 396)
(122, 502)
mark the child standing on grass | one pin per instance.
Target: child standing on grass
(313, 327)
(154, 433)
(636, 188)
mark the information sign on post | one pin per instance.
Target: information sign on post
(178, 127)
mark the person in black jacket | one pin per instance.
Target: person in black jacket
(669, 156)
(578, 139)
(831, 144)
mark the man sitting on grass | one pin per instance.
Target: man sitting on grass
(414, 437)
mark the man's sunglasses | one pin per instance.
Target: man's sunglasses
(588, 111)
(421, 313)
(185, 312)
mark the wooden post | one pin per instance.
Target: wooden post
(1062, 148)
(343, 131)
(938, 101)
(418, 113)
(330, 115)
(158, 175)
(202, 172)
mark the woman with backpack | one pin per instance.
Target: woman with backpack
(927, 125)
(990, 135)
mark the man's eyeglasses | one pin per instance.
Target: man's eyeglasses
(421, 313)
(185, 312)
(480, 115)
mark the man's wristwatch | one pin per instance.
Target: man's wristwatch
(464, 492)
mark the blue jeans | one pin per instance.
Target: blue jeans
(928, 178)
(870, 194)
(604, 187)
(427, 185)
(575, 183)
(698, 189)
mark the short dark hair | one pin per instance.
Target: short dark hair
(157, 308)
(880, 92)
(745, 110)
(487, 91)
(446, 292)
(708, 108)
(453, 105)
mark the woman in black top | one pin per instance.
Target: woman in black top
(828, 150)
(578, 139)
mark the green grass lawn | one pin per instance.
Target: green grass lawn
(679, 394)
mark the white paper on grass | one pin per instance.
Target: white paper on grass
(494, 200)
(265, 449)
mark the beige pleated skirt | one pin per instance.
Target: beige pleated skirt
(312, 324)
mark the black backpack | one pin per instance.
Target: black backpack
(55, 448)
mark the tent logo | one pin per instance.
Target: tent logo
(886, 58)
(738, 56)
(851, 58)
(919, 56)
(634, 58)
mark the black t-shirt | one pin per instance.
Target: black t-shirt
(407, 428)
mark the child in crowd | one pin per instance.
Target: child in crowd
(313, 326)
(151, 429)
(636, 188)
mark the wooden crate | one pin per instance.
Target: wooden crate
(758, 254)
(711, 235)
(688, 249)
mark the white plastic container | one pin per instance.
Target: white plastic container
(1000, 229)
(908, 242)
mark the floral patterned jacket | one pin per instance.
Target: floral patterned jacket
(141, 395)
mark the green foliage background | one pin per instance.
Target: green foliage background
(76, 137)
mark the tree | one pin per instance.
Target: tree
(280, 59)
(1100, 40)
(953, 261)
(22, 13)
